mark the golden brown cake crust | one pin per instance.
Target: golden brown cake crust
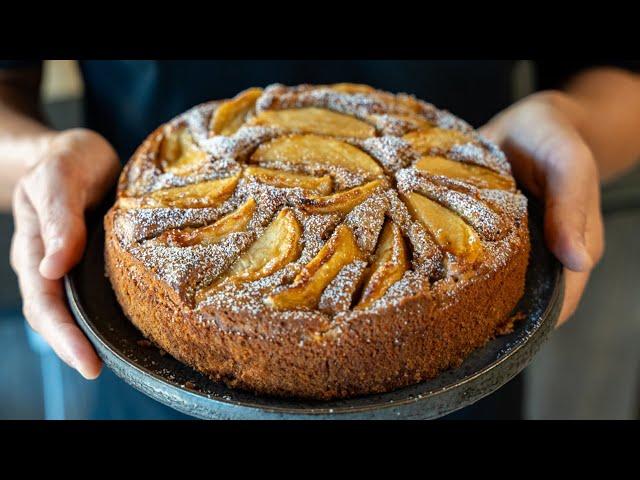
(440, 311)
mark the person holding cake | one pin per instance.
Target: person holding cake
(557, 150)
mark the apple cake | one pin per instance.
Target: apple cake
(318, 241)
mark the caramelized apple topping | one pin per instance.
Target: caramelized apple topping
(315, 120)
(198, 195)
(435, 140)
(307, 287)
(447, 228)
(367, 188)
(475, 175)
(278, 246)
(235, 221)
(179, 154)
(315, 150)
(279, 178)
(230, 116)
(389, 264)
(341, 202)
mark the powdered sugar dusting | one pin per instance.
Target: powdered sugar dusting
(447, 120)
(317, 230)
(394, 125)
(197, 120)
(392, 152)
(366, 221)
(241, 144)
(412, 283)
(476, 154)
(184, 268)
(512, 205)
(338, 295)
(136, 225)
(495, 215)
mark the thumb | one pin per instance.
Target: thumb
(64, 242)
(571, 187)
(57, 196)
(81, 168)
(494, 129)
(550, 158)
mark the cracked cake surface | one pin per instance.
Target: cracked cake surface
(318, 241)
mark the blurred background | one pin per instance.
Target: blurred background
(589, 369)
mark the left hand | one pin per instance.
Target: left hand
(73, 172)
(540, 135)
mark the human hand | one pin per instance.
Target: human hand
(49, 202)
(541, 137)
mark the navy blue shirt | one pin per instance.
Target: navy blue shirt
(126, 99)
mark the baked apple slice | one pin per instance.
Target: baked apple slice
(315, 120)
(235, 221)
(307, 287)
(341, 202)
(278, 246)
(230, 115)
(435, 139)
(447, 228)
(389, 264)
(280, 178)
(351, 88)
(314, 150)
(476, 175)
(211, 193)
(179, 154)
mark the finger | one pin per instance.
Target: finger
(570, 183)
(58, 199)
(550, 157)
(575, 283)
(43, 301)
(46, 312)
(557, 165)
(595, 229)
(493, 130)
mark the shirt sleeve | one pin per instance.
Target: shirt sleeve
(555, 73)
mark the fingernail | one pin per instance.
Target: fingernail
(89, 376)
(68, 359)
(71, 359)
(86, 372)
(583, 258)
(54, 245)
(45, 267)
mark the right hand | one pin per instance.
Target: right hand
(550, 156)
(76, 170)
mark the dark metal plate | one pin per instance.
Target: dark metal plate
(167, 380)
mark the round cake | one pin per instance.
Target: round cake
(318, 241)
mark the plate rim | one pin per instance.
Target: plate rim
(96, 336)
